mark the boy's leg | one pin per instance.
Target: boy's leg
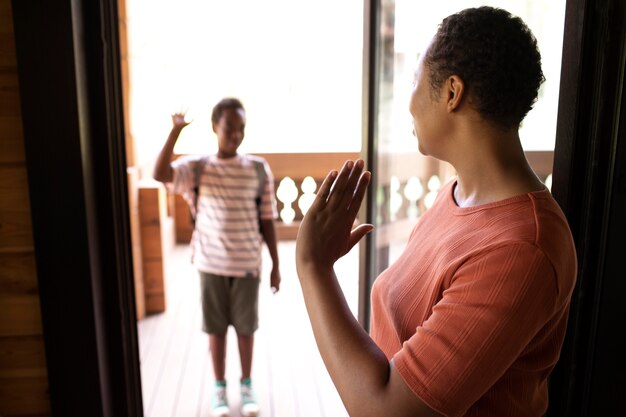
(215, 292)
(244, 314)
(246, 348)
(244, 309)
(217, 346)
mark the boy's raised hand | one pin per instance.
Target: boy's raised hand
(178, 120)
(325, 233)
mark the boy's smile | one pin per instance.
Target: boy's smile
(230, 131)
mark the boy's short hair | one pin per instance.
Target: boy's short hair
(496, 55)
(223, 104)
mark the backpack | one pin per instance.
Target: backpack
(261, 175)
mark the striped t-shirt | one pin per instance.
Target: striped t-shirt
(473, 313)
(226, 240)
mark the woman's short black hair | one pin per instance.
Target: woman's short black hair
(496, 55)
(223, 104)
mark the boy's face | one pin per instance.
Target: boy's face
(230, 131)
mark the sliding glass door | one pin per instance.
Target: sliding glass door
(405, 182)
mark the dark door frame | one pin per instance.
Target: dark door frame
(68, 66)
(70, 91)
(590, 184)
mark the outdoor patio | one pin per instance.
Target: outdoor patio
(289, 376)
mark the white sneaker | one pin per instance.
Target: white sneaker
(249, 407)
(220, 401)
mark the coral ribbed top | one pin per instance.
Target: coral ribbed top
(473, 313)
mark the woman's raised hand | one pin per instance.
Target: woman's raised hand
(326, 233)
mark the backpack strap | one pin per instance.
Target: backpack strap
(261, 175)
(196, 190)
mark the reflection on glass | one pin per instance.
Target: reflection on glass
(407, 182)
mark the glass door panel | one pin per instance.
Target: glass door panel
(405, 182)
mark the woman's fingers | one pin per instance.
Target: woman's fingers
(359, 193)
(357, 234)
(324, 190)
(342, 191)
(337, 190)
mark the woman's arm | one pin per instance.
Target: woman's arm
(367, 383)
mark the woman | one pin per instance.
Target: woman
(470, 320)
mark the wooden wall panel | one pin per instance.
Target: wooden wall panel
(135, 230)
(25, 396)
(17, 273)
(22, 354)
(11, 145)
(16, 229)
(154, 243)
(182, 220)
(23, 371)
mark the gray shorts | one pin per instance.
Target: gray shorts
(229, 300)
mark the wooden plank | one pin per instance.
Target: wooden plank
(135, 232)
(9, 93)
(182, 220)
(157, 347)
(25, 396)
(6, 18)
(18, 274)
(281, 318)
(153, 362)
(194, 372)
(151, 241)
(316, 165)
(12, 143)
(172, 366)
(155, 302)
(125, 78)
(23, 372)
(152, 202)
(153, 276)
(22, 356)
(145, 331)
(287, 231)
(20, 315)
(7, 44)
(15, 220)
(152, 226)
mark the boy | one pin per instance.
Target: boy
(232, 197)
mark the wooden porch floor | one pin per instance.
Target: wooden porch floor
(288, 373)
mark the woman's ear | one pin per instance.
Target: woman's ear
(455, 87)
(213, 126)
